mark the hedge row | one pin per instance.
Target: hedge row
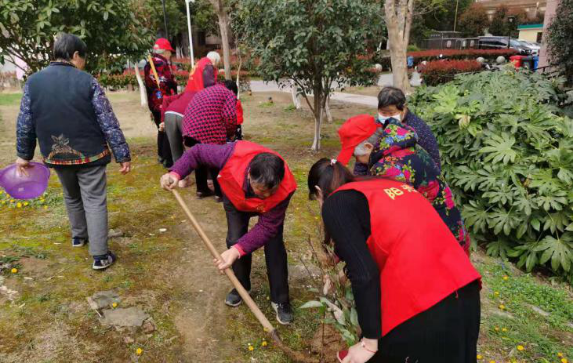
(433, 54)
(128, 78)
(437, 72)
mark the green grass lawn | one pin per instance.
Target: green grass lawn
(49, 319)
(10, 98)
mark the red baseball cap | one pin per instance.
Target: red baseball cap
(353, 132)
(164, 44)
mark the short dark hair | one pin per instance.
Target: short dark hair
(392, 96)
(267, 169)
(67, 44)
(231, 85)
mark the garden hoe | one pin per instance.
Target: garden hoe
(293, 355)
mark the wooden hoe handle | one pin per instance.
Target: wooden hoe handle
(273, 334)
(238, 286)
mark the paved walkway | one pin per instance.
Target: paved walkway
(384, 80)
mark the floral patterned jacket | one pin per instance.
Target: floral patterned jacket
(398, 156)
(167, 84)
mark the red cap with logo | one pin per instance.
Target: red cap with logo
(353, 132)
(164, 44)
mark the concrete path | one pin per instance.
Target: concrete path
(384, 80)
(355, 99)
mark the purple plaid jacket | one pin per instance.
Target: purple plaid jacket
(211, 115)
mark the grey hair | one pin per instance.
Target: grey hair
(214, 57)
(373, 140)
(67, 44)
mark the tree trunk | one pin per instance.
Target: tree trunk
(237, 78)
(398, 18)
(328, 109)
(399, 64)
(223, 18)
(224, 28)
(317, 139)
(295, 95)
(143, 94)
(318, 111)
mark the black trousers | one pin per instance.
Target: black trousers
(202, 173)
(446, 332)
(275, 254)
(163, 149)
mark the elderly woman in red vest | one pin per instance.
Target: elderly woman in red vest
(416, 292)
(255, 181)
(204, 73)
(391, 150)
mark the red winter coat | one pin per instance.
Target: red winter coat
(232, 176)
(420, 264)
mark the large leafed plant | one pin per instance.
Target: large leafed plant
(506, 147)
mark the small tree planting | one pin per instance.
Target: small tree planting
(314, 43)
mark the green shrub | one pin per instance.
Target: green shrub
(506, 147)
(118, 81)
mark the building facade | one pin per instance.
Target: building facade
(532, 7)
(531, 32)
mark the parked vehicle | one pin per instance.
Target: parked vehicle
(497, 42)
(534, 47)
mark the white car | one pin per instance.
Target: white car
(534, 47)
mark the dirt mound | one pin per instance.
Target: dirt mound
(326, 343)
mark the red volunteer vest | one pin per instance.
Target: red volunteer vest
(420, 261)
(232, 176)
(195, 82)
(239, 111)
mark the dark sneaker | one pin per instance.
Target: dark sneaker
(103, 261)
(233, 298)
(79, 242)
(201, 194)
(167, 163)
(284, 312)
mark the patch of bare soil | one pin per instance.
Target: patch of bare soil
(202, 315)
(34, 267)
